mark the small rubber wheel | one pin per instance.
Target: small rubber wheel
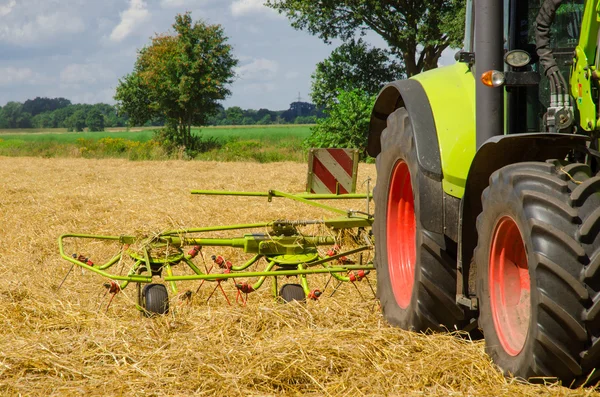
(292, 292)
(155, 299)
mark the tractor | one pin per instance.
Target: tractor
(488, 190)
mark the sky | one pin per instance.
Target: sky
(78, 49)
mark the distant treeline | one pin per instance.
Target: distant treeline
(61, 113)
(298, 113)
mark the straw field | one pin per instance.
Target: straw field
(65, 342)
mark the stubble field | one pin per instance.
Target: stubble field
(65, 342)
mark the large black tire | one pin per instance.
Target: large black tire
(416, 278)
(537, 245)
(292, 292)
(156, 299)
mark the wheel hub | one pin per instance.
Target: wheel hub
(510, 286)
(401, 234)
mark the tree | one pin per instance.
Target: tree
(60, 116)
(348, 123)
(179, 77)
(43, 120)
(3, 120)
(417, 32)
(95, 120)
(76, 121)
(12, 113)
(41, 105)
(235, 115)
(266, 120)
(353, 65)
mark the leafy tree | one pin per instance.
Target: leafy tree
(61, 116)
(76, 121)
(179, 77)
(264, 114)
(95, 120)
(12, 113)
(3, 120)
(43, 120)
(348, 123)
(235, 115)
(353, 65)
(266, 120)
(134, 99)
(417, 32)
(41, 105)
(218, 117)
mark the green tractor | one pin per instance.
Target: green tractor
(488, 191)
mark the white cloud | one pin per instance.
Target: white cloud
(7, 8)
(42, 28)
(77, 73)
(258, 69)
(130, 19)
(241, 8)
(184, 3)
(12, 76)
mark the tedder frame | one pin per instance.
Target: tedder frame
(286, 251)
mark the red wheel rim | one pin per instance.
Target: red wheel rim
(401, 234)
(510, 286)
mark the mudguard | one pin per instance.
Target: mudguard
(411, 95)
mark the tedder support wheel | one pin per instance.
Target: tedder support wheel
(292, 292)
(416, 278)
(538, 256)
(155, 299)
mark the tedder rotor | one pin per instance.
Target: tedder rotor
(276, 249)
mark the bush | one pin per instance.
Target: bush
(121, 148)
(167, 137)
(347, 125)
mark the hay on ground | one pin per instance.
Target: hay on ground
(64, 342)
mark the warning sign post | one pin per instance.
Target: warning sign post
(332, 171)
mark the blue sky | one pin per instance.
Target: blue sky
(78, 49)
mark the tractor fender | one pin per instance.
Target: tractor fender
(495, 153)
(411, 95)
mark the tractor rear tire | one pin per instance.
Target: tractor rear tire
(292, 292)
(156, 300)
(532, 257)
(416, 278)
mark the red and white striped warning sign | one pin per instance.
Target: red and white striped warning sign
(332, 171)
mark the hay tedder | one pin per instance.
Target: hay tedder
(340, 247)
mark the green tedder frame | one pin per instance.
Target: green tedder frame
(285, 249)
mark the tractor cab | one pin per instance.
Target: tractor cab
(531, 49)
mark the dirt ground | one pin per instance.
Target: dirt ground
(64, 341)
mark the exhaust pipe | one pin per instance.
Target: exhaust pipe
(489, 46)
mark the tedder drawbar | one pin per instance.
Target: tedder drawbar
(282, 249)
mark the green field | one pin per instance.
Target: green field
(255, 143)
